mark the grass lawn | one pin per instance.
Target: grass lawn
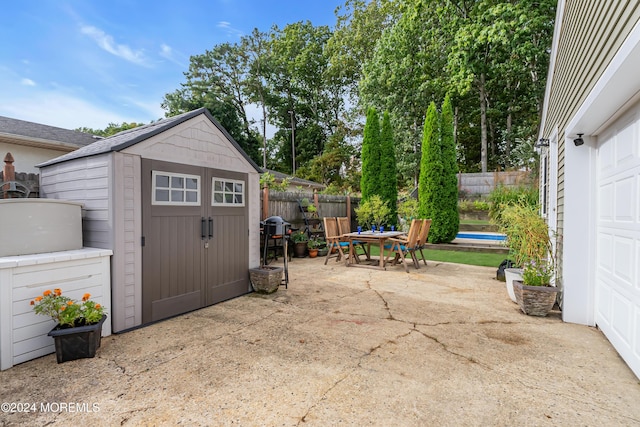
(458, 257)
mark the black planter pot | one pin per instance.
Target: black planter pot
(77, 343)
(300, 249)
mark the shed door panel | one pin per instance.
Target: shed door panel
(172, 257)
(618, 238)
(196, 255)
(228, 252)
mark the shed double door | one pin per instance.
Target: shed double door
(195, 253)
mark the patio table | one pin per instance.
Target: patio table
(370, 237)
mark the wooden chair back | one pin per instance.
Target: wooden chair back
(414, 233)
(330, 228)
(424, 232)
(344, 225)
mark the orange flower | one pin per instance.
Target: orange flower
(32, 302)
(86, 297)
(38, 298)
(46, 293)
(57, 291)
(69, 302)
(63, 308)
(98, 306)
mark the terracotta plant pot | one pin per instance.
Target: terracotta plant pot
(313, 253)
(534, 300)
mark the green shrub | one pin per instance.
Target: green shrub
(527, 233)
(373, 211)
(502, 196)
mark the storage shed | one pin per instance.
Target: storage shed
(178, 203)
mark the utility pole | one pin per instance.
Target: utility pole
(293, 141)
(264, 143)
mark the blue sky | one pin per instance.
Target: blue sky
(73, 63)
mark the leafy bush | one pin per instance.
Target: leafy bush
(372, 211)
(502, 196)
(527, 234)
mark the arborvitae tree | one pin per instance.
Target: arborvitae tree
(449, 219)
(370, 180)
(431, 170)
(388, 172)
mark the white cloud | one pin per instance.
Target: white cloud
(106, 42)
(61, 110)
(168, 53)
(231, 31)
(27, 82)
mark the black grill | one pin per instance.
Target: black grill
(272, 227)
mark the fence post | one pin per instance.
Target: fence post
(348, 203)
(265, 203)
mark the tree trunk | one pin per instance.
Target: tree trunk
(507, 149)
(483, 124)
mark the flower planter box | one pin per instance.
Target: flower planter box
(80, 342)
(266, 279)
(534, 300)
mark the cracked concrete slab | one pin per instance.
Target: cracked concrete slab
(442, 345)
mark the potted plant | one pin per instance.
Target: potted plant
(372, 212)
(299, 239)
(312, 246)
(530, 246)
(322, 247)
(78, 332)
(265, 279)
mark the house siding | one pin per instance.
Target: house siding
(591, 34)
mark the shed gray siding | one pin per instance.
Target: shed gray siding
(86, 180)
(591, 32)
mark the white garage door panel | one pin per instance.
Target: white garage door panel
(618, 237)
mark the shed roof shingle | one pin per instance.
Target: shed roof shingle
(127, 138)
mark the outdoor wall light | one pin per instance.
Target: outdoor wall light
(542, 142)
(579, 141)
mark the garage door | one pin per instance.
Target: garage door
(618, 237)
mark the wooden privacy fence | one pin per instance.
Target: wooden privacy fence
(285, 205)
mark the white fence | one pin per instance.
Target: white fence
(23, 334)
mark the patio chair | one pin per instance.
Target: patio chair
(332, 237)
(422, 238)
(403, 246)
(344, 227)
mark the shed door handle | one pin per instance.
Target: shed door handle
(210, 227)
(203, 228)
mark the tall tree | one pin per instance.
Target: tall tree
(431, 170)
(388, 172)
(449, 220)
(370, 180)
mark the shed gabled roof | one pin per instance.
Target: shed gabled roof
(22, 132)
(130, 137)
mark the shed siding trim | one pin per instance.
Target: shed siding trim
(127, 262)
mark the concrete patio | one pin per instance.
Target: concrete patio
(443, 345)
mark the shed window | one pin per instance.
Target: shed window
(227, 192)
(175, 189)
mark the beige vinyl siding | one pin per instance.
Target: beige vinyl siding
(127, 253)
(591, 34)
(85, 180)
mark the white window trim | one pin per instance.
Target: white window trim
(155, 202)
(225, 204)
